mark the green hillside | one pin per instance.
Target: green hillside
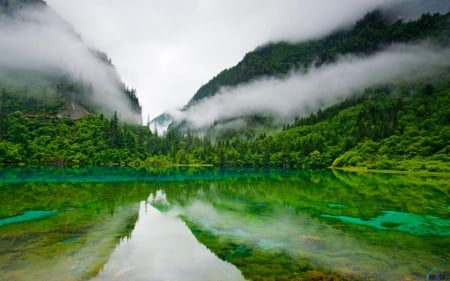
(400, 125)
(370, 34)
(49, 117)
(403, 126)
(47, 91)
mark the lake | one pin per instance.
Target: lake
(211, 224)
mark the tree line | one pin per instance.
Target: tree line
(402, 126)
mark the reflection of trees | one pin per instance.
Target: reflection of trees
(284, 209)
(94, 216)
(310, 192)
(91, 219)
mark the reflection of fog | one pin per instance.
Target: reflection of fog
(163, 248)
(299, 235)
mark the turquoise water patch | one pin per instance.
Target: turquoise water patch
(267, 244)
(27, 216)
(420, 225)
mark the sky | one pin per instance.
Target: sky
(167, 49)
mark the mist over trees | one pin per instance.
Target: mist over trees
(400, 123)
(44, 51)
(402, 126)
(284, 80)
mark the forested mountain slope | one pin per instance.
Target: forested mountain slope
(55, 91)
(372, 33)
(403, 125)
(400, 124)
(46, 68)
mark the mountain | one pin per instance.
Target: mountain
(60, 100)
(45, 67)
(373, 34)
(369, 35)
(375, 96)
(401, 125)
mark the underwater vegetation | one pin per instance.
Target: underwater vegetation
(265, 224)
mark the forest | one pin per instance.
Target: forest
(401, 125)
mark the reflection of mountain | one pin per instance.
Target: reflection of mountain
(276, 222)
(268, 224)
(163, 248)
(76, 241)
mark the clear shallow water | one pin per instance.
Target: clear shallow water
(208, 224)
(27, 216)
(421, 225)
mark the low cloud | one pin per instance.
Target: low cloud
(168, 49)
(37, 40)
(304, 92)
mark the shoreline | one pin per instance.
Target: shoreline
(393, 172)
(360, 170)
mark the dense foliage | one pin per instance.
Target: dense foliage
(403, 125)
(45, 125)
(369, 35)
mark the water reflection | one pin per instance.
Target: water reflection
(162, 247)
(221, 225)
(69, 246)
(287, 233)
(63, 231)
(280, 222)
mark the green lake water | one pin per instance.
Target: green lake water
(210, 224)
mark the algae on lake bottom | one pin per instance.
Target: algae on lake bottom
(296, 225)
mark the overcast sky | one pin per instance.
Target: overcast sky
(166, 49)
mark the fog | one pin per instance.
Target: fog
(168, 49)
(39, 41)
(303, 92)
